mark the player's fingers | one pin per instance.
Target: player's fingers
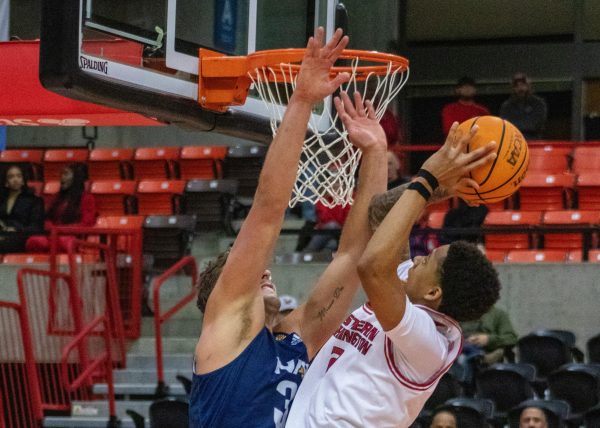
(479, 153)
(320, 36)
(451, 135)
(467, 184)
(481, 161)
(358, 104)
(339, 106)
(370, 110)
(339, 80)
(336, 45)
(348, 106)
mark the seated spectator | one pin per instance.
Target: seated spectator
(327, 219)
(21, 212)
(72, 206)
(421, 242)
(465, 107)
(443, 419)
(525, 110)
(463, 216)
(533, 417)
(394, 167)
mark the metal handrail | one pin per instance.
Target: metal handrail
(159, 319)
(105, 358)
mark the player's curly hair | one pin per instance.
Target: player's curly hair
(207, 279)
(469, 282)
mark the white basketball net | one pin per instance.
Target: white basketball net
(329, 161)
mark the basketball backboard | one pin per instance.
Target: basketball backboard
(142, 55)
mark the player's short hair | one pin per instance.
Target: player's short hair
(208, 278)
(469, 282)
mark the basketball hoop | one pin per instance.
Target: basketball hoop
(329, 161)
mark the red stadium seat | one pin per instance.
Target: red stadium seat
(155, 163)
(25, 259)
(594, 256)
(510, 241)
(586, 159)
(496, 256)
(56, 159)
(535, 256)
(541, 192)
(37, 187)
(121, 222)
(50, 189)
(201, 162)
(110, 164)
(114, 197)
(29, 160)
(575, 256)
(435, 219)
(553, 161)
(588, 191)
(159, 197)
(567, 241)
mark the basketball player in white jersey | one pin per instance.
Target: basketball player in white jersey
(385, 360)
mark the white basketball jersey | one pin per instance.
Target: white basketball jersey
(365, 377)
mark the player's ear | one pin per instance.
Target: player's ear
(434, 294)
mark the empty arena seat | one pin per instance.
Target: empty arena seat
(586, 159)
(566, 219)
(159, 196)
(25, 259)
(56, 159)
(540, 192)
(121, 221)
(594, 256)
(496, 256)
(155, 163)
(578, 385)
(201, 162)
(210, 201)
(243, 163)
(507, 240)
(49, 190)
(30, 161)
(575, 256)
(548, 160)
(168, 238)
(536, 256)
(588, 191)
(110, 164)
(114, 197)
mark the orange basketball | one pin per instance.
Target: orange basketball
(501, 178)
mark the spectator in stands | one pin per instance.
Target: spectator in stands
(328, 219)
(21, 211)
(394, 167)
(488, 340)
(443, 419)
(422, 243)
(72, 206)
(526, 111)
(465, 107)
(463, 216)
(533, 417)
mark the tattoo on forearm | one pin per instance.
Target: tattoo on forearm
(382, 204)
(323, 311)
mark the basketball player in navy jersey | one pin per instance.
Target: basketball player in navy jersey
(247, 369)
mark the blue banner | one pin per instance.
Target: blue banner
(2, 138)
(225, 25)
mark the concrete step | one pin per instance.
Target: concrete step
(148, 375)
(100, 408)
(181, 362)
(86, 422)
(171, 345)
(140, 389)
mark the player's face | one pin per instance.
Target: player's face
(533, 418)
(267, 286)
(425, 275)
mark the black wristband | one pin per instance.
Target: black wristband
(420, 187)
(433, 183)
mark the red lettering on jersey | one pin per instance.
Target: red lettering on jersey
(336, 353)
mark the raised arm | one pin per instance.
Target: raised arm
(377, 267)
(328, 303)
(236, 305)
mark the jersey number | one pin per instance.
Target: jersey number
(336, 353)
(288, 390)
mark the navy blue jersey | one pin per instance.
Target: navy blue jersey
(254, 390)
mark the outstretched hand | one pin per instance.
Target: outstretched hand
(360, 121)
(451, 164)
(314, 83)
